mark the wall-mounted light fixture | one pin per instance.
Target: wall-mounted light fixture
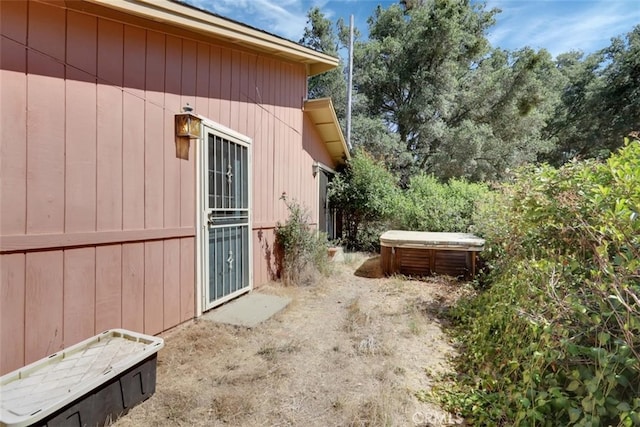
(315, 168)
(187, 123)
(188, 127)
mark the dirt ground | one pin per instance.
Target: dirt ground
(351, 350)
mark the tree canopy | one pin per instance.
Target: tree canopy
(320, 35)
(431, 95)
(600, 100)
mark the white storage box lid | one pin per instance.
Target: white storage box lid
(31, 393)
(431, 240)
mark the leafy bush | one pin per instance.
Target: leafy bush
(371, 202)
(555, 340)
(429, 205)
(303, 249)
(367, 195)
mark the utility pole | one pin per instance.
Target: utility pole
(350, 82)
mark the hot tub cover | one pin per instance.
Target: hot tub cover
(427, 239)
(31, 393)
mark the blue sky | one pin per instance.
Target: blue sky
(556, 25)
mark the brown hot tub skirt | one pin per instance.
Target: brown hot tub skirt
(424, 253)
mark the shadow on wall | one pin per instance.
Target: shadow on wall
(139, 55)
(272, 255)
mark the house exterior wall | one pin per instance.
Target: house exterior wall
(97, 214)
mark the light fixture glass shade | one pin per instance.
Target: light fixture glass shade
(187, 125)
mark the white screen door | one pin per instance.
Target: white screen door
(226, 218)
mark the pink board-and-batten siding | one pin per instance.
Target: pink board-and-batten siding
(97, 214)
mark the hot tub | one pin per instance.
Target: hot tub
(88, 384)
(420, 253)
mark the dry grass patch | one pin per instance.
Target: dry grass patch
(370, 346)
(380, 407)
(348, 351)
(231, 407)
(356, 318)
(373, 412)
(364, 328)
(271, 352)
(179, 405)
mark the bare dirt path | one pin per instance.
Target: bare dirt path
(352, 350)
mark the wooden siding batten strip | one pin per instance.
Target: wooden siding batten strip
(95, 289)
(26, 139)
(12, 311)
(39, 242)
(144, 287)
(154, 134)
(45, 136)
(271, 147)
(13, 138)
(95, 129)
(202, 79)
(122, 131)
(24, 310)
(65, 130)
(144, 142)
(171, 176)
(122, 289)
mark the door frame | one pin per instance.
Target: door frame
(201, 202)
(319, 167)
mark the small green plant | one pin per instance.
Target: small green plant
(303, 249)
(414, 327)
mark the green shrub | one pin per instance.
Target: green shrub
(303, 248)
(371, 202)
(429, 205)
(555, 339)
(367, 195)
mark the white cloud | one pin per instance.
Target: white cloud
(561, 26)
(286, 18)
(556, 25)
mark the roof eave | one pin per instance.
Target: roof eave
(323, 117)
(216, 27)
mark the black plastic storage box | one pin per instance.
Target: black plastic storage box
(91, 383)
